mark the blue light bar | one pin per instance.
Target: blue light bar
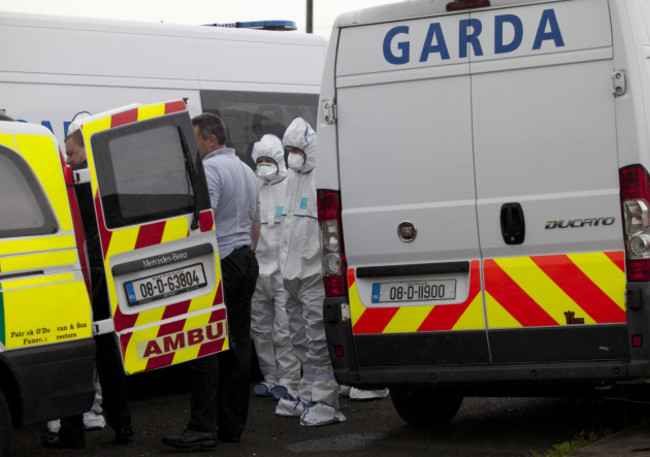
(258, 25)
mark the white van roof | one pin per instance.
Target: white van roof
(410, 9)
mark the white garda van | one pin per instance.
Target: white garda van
(256, 80)
(485, 199)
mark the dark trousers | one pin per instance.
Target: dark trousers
(110, 371)
(220, 383)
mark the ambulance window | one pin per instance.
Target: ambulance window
(24, 210)
(142, 172)
(250, 115)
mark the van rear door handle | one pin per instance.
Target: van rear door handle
(513, 224)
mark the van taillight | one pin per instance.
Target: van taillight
(334, 263)
(635, 198)
(467, 4)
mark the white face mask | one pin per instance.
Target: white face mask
(267, 171)
(295, 161)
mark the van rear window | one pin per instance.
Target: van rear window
(250, 115)
(24, 208)
(143, 173)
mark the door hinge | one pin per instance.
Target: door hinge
(329, 111)
(619, 82)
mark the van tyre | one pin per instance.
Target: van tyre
(425, 407)
(5, 426)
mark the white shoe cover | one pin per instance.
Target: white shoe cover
(360, 395)
(289, 407)
(321, 414)
(94, 420)
(54, 426)
(344, 391)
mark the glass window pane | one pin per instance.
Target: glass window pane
(24, 209)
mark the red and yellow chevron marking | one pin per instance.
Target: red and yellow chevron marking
(555, 290)
(192, 327)
(407, 319)
(519, 292)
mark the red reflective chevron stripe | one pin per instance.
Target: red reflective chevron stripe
(374, 320)
(580, 288)
(513, 298)
(150, 235)
(165, 359)
(172, 107)
(618, 258)
(124, 118)
(444, 317)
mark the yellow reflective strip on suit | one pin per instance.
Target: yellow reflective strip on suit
(533, 281)
(604, 273)
(36, 281)
(47, 314)
(408, 319)
(37, 151)
(36, 244)
(473, 318)
(175, 229)
(41, 260)
(7, 139)
(149, 111)
(498, 317)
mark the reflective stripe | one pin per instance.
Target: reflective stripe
(37, 244)
(519, 292)
(40, 260)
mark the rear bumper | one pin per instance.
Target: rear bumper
(539, 361)
(52, 381)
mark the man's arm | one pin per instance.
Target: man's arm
(255, 235)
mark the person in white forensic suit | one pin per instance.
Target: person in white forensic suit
(269, 322)
(300, 263)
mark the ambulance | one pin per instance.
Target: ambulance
(159, 253)
(485, 200)
(257, 81)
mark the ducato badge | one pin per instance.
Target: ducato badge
(406, 232)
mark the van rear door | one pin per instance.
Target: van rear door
(157, 235)
(547, 183)
(408, 196)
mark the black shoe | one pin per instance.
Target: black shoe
(54, 441)
(124, 435)
(190, 438)
(228, 438)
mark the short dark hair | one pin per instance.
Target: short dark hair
(76, 137)
(210, 124)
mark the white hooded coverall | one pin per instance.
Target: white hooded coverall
(300, 264)
(269, 321)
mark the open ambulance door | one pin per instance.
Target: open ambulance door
(157, 235)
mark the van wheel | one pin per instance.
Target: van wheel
(5, 426)
(425, 407)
